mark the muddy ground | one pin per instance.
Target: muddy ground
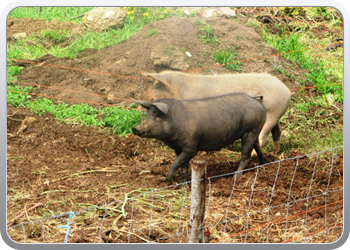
(60, 168)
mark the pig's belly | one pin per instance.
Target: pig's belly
(215, 143)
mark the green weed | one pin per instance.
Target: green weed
(206, 35)
(15, 97)
(198, 22)
(119, 119)
(152, 32)
(228, 57)
(169, 51)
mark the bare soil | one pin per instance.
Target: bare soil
(69, 167)
(113, 66)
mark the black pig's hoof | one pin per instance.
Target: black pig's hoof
(169, 178)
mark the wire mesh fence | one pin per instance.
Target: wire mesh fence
(291, 200)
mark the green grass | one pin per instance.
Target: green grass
(228, 57)
(322, 129)
(206, 35)
(309, 124)
(49, 13)
(16, 98)
(152, 32)
(121, 120)
(48, 42)
(318, 72)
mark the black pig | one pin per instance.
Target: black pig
(189, 126)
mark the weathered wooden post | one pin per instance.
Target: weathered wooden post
(197, 234)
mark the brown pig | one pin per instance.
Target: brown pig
(184, 86)
(204, 124)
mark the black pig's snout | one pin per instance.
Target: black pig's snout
(135, 131)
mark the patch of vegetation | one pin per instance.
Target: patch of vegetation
(16, 97)
(169, 51)
(206, 35)
(50, 13)
(152, 32)
(77, 41)
(198, 22)
(318, 72)
(228, 58)
(322, 128)
(296, 41)
(121, 120)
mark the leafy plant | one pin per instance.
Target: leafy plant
(206, 35)
(15, 96)
(121, 120)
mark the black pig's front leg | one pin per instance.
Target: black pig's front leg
(182, 160)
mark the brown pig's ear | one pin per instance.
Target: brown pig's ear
(145, 104)
(161, 78)
(162, 106)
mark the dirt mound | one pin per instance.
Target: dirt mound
(31, 26)
(160, 45)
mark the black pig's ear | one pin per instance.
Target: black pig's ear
(145, 104)
(163, 107)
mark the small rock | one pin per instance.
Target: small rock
(111, 97)
(226, 11)
(169, 58)
(17, 36)
(103, 18)
(189, 10)
(218, 12)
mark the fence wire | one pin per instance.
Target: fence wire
(295, 200)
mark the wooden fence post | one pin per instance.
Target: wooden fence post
(197, 234)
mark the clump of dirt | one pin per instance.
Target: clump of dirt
(112, 73)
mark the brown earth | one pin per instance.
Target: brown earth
(114, 65)
(68, 167)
